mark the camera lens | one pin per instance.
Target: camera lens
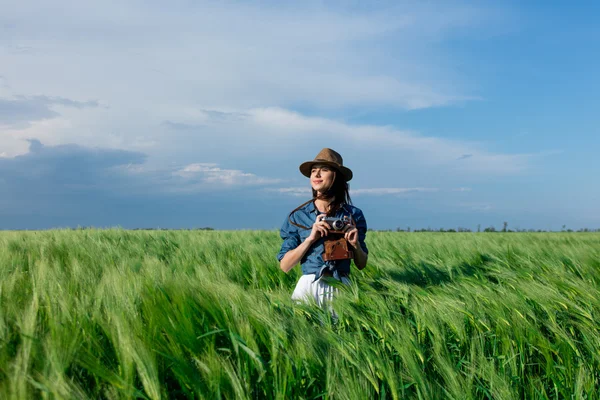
(338, 225)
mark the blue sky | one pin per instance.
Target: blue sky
(195, 114)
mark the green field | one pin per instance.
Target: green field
(207, 314)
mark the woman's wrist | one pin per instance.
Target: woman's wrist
(358, 250)
(360, 257)
(309, 241)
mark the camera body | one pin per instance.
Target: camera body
(337, 224)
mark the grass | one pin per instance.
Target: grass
(122, 314)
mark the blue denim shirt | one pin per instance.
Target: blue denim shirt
(312, 261)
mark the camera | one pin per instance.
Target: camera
(337, 224)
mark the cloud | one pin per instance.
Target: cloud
(461, 189)
(54, 172)
(305, 191)
(3, 83)
(224, 54)
(282, 135)
(292, 191)
(389, 191)
(277, 127)
(215, 80)
(202, 118)
(465, 156)
(21, 110)
(71, 185)
(55, 166)
(209, 173)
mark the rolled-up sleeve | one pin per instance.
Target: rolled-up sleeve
(361, 225)
(291, 239)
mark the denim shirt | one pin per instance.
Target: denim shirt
(312, 261)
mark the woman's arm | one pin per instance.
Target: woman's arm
(360, 257)
(293, 257)
(356, 237)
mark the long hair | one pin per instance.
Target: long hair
(340, 191)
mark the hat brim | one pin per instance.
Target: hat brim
(305, 168)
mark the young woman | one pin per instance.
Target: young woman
(304, 231)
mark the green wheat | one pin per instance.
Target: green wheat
(120, 314)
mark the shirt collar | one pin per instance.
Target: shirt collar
(310, 207)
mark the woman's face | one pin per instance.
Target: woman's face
(321, 177)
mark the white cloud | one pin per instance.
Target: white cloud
(293, 191)
(305, 191)
(388, 191)
(232, 54)
(245, 134)
(427, 150)
(214, 83)
(210, 174)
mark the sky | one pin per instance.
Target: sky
(189, 114)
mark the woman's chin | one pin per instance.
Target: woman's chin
(320, 193)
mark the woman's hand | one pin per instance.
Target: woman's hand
(351, 234)
(319, 229)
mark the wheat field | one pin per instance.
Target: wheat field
(120, 314)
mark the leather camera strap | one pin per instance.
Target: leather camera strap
(296, 209)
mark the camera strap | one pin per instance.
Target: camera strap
(296, 209)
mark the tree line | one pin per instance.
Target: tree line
(486, 229)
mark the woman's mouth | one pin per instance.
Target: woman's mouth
(317, 181)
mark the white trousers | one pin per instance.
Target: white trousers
(318, 290)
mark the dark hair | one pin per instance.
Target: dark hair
(339, 190)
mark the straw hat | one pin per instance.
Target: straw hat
(327, 157)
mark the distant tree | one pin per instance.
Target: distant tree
(478, 227)
(504, 227)
(490, 229)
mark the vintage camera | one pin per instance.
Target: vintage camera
(337, 224)
(336, 246)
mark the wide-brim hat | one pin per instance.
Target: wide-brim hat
(327, 157)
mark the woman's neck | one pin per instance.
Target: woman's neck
(323, 204)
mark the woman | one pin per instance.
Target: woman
(304, 231)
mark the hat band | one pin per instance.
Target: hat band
(329, 161)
